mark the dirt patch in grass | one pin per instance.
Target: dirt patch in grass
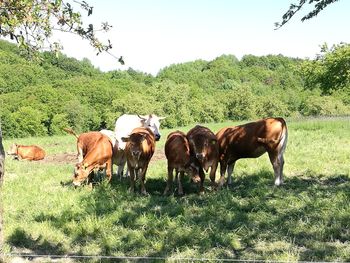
(60, 158)
(71, 158)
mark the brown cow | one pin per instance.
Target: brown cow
(251, 140)
(85, 142)
(97, 157)
(177, 152)
(30, 152)
(204, 147)
(139, 149)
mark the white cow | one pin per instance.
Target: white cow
(126, 123)
(119, 157)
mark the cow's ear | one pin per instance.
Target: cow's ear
(125, 139)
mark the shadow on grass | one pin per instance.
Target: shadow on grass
(39, 245)
(309, 215)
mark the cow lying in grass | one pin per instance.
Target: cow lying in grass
(30, 152)
(251, 140)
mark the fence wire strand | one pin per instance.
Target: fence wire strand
(188, 259)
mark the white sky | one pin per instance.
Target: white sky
(153, 34)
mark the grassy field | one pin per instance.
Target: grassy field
(306, 219)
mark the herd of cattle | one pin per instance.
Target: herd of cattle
(133, 143)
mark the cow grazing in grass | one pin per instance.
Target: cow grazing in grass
(26, 152)
(177, 152)
(251, 140)
(204, 147)
(139, 149)
(126, 123)
(99, 156)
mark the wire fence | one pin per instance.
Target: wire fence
(149, 259)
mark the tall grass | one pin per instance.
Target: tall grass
(306, 219)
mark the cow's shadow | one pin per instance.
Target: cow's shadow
(229, 210)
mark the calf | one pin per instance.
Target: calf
(177, 152)
(139, 149)
(251, 140)
(97, 157)
(31, 152)
(204, 147)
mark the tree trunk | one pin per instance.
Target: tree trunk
(2, 170)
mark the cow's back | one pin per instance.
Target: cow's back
(101, 152)
(252, 139)
(87, 141)
(124, 126)
(177, 150)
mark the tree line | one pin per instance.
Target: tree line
(39, 98)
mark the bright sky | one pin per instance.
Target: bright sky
(153, 34)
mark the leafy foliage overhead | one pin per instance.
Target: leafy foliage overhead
(319, 5)
(31, 24)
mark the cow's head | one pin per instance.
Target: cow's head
(202, 146)
(192, 169)
(13, 149)
(135, 141)
(81, 174)
(152, 121)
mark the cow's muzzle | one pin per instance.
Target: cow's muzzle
(157, 136)
(200, 156)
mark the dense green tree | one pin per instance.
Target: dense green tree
(330, 70)
(43, 97)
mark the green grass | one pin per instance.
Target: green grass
(306, 219)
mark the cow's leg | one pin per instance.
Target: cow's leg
(202, 176)
(120, 170)
(126, 172)
(80, 154)
(142, 180)
(223, 167)
(212, 174)
(132, 179)
(109, 170)
(180, 179)
(230, 168)
(277, 161)
(170, 180)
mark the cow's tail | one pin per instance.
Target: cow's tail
(281, 141)
(284, 137)
(70, 131)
